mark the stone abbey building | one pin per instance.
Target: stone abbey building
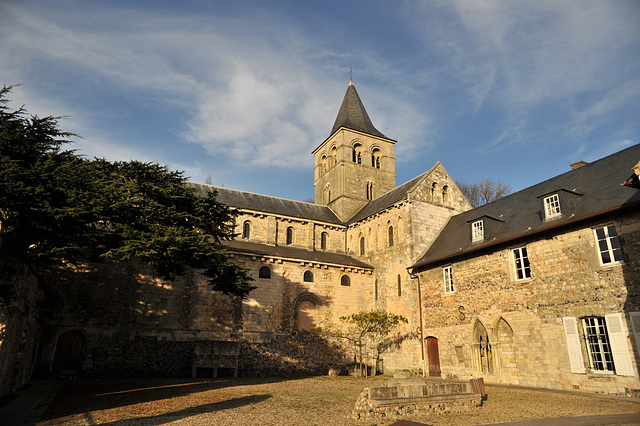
(540, 288)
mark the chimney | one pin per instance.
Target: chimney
(578, 164)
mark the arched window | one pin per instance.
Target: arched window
(345, 280)
(390, 229)
(246, 229)
(446, 195)
(323, 241)
(375, 158)
(289, 235)
(334, 157)
(264, 272)
(323, 166)
(362, 246)
(308, 277)
(327, 194)
(435, 193)
(399, 286)
(357, 153)
(369, 190)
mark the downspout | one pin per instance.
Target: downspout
(424, 361)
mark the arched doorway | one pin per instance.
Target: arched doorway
(305, 316)
(482, 348)
(433, 357)
(68, 355)
(306, 311)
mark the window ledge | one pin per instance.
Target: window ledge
(602, 374)
(609, 266)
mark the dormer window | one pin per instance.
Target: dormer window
(552, 206)
(477, 231)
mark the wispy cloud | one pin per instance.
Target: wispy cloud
(260, 86)
(518, 57)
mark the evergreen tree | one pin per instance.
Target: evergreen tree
(59, 209)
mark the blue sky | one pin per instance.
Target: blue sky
(243, 91)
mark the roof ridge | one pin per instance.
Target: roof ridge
(255, 193)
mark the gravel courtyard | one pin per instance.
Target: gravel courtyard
(308, 401)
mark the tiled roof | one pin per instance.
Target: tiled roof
(352, 114)
(588, 191)
(267, 204)
(294, 253)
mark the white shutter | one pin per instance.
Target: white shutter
(619, 345)
(573, 344)
(635, 323)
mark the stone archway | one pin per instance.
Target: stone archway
(482, 348)
(506, 351)
(68, 354)
(306, 311)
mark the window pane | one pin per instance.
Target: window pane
(598, 344)
(602, 244)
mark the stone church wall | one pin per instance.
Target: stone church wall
(111, 305)
(132, 324)
(272, 306)
(20, 303)
(271, 229)
(415, 225)
(523, 319)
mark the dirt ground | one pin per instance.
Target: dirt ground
(308, 401)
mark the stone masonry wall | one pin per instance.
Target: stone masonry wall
(271, 229)
(415, 225)
(20, 304)
(348, 180)
(113, 304)
(523, 318)
(272, 306)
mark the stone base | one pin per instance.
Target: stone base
(415, 396)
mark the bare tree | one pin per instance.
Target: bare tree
(484, 191)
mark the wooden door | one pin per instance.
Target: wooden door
(434, 356)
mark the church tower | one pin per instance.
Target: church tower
(356, 163)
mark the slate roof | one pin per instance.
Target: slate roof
(294, 253)
(591, 190)
(352, 114)
(268, 204)
(392, 197)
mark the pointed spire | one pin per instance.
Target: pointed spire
(352, 114)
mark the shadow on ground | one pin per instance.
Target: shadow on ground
(188, 412)
(81, 398)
